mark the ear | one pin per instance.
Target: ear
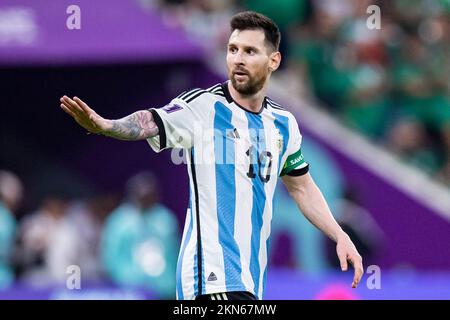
(274, 61)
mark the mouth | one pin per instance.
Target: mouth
(240, 75)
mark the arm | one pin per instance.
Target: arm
(137, 126)
(314, 207)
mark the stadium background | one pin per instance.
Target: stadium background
(373, 107)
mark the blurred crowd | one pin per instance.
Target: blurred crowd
(391, 84)
(131, 242)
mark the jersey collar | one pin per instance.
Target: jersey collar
(231, 100)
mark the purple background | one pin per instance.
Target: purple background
(111, 31)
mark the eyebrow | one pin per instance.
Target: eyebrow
(245, 46)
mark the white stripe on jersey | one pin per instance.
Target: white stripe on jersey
(183, 239)
(187, 265)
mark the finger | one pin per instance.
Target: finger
(67, 105)
(358, 273)
(82, 105)
(67, 110)
(70, 106)
(357, 278)
(74, 106)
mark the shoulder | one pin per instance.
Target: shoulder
(198, 94)
(282, 113)
(278, 109)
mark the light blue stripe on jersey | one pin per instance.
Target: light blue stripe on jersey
(195, 273)
(196, 291)
(257, 137)
(226, 195)
(181, 259)
(282, 124)
(265, 270)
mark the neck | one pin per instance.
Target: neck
(251, 102)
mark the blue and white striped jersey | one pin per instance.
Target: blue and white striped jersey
(234, 158)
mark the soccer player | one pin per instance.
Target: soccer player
(237, 141)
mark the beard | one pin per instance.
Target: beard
(251, 86)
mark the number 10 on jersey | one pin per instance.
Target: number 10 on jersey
(264, 161)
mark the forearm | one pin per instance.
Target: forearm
(315, 208)
(137, 126)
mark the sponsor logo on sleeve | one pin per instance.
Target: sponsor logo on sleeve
(296, 160)
(172, 108)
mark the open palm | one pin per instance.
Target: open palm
(83, 115)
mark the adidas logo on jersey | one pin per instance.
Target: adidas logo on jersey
(233, 134)
(212, 277)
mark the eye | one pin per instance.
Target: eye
(251, 51)
(232, 49)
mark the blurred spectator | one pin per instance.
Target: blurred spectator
(140, 239)
(48, 243)
(444, 174)
(408, 138)
(61, 232)
(205, 21)
(375, 81)
(87, 218)
(11, 192)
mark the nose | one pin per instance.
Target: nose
(239, 59)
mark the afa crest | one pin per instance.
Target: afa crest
(278, 143)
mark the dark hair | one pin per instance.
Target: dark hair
(250, 20)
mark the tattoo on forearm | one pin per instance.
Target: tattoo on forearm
(137, 126)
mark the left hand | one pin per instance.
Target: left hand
(346, 252)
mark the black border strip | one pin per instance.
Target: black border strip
(215, 87)
(189, 93)
(161, 130)
(197, 215)
(278, 107)
(195, 96)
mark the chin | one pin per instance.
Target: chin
(244, 88)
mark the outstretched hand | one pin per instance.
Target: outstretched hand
(83, 115)
(347, 253)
